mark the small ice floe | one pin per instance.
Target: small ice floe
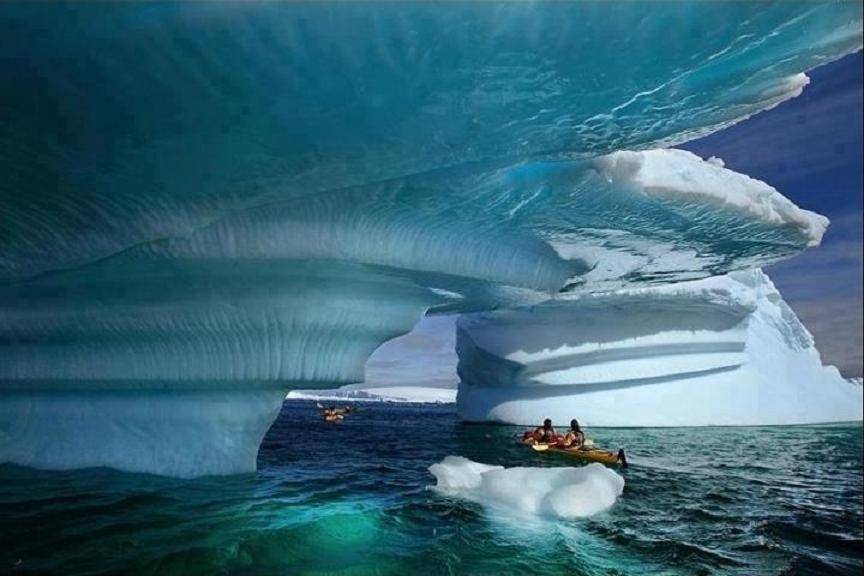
(557, 492)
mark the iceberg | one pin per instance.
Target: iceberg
(725, 350)
(229, 201)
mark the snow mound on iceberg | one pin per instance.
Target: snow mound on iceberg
(721, 351)
(564, 493)
(681, 176)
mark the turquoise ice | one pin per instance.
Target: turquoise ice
(206, 205)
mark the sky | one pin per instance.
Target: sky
(808, 148)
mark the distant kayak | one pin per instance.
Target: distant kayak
(334, 414)
(586, 454)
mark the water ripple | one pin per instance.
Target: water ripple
(352, 499)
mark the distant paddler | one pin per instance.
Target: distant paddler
(333, 414)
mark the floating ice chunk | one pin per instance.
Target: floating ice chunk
(557, 492)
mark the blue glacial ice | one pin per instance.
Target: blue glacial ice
(227, 201)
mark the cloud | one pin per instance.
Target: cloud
(837, 326)
(426, 356)
(824, 286)
(831, 271)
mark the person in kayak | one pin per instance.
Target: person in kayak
(574, 438)
(545, 434)
(334, 411)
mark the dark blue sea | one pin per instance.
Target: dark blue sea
(353, 498)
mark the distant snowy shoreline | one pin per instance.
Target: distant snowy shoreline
(395, 394)
(404, 394)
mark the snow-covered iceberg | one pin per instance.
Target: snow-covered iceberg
(725, 350)
(239, 199)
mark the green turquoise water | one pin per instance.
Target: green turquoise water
(353, 498)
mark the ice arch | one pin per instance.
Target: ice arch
(206, 205)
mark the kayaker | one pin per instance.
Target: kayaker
(574, 438)
(338, 411)
(332, 413)
(545, 434)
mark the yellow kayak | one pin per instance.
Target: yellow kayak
(586, 454)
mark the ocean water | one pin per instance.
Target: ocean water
(353, 498)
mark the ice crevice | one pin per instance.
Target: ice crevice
(208, 205)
